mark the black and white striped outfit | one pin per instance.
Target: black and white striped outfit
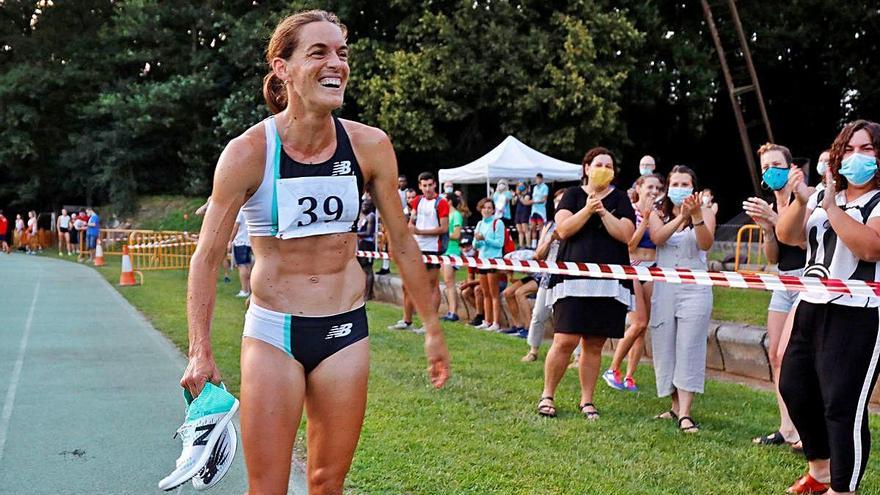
(830, 366)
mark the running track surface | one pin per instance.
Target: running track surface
(89, 394)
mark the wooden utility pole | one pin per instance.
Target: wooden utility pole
(738, 90)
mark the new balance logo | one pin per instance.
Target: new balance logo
(339, 331)
(206, 431)
(342, 168)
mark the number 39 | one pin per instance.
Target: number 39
(332, 209)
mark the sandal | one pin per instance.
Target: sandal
(807, 485)
(591, 415)
(693, 428)
(670, 414)
(774, 438)
(528, 358)
(547, 410)
(797, 448)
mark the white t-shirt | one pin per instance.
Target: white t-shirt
(428, 217)
(32, 225)
(828, 256)
(64, 221)
(241, 237)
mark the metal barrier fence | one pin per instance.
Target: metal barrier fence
(755, 243)
(161, 250)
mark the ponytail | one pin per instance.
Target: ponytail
(274, 93)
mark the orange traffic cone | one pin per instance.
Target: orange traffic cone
(126, 278)
(99, 254)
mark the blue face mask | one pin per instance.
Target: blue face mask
(858, 168)
(775, 177)
(678, 194)
(822, 167)
(646, 170)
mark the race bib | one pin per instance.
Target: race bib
(310, 206)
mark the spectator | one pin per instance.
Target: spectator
(540, 193)
(516, 294)
(457, 214)
(707, 200)
(822, 167)
(4, 231)
(63, 227)
(367, 242)
(502, 198)
(242, 254)
(448, 190)
(523, 211)
(683, 233)
(92, 232)
(641, 252)
(595, 222)
(548, 247)
(410, 195)
(429, 223)
(830, 365)
(489, 240)
(18, 234)
(776, 163)
(471, 294)
(79, 224)
(647, 166)
(33, 238)
(402, 190)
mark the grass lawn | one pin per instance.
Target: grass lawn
(481, 434)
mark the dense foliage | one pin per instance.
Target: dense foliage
(103, 100)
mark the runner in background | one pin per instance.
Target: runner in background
(242, 255)
(540, 193)
(642, 251)
(64, 228)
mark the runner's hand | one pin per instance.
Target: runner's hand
(199, 371)
(438, 358)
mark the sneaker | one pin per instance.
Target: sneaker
(227, 279)
(418, 331)
(206, 418)
(612, 378)
(511, 331)
(476, 321)
(482, 326)
(242, 293)
(453, 317)
(446, 317)
(630, 385)
(493, 328)
(383, 271)
(400, 325)
(219, 461)
(523, 333)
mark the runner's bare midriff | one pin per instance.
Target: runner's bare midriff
(311, 276)
(643, 254)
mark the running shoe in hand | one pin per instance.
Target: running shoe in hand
(206, 418)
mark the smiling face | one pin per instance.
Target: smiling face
(773, 158)
(317, 71)
(487, 209)
(650, 188)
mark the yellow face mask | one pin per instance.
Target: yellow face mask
(600, 177)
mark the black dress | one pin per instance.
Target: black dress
(592, 306)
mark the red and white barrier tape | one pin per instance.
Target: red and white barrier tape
(672, 275)
(152, 245)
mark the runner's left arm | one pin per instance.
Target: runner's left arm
(381, 165)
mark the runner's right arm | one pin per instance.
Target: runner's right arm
(238, 172)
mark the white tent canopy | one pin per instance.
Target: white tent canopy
(511, 160)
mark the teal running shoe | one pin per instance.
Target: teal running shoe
(207, 417)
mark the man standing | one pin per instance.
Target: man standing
(540, 192)
(92, 231)
(402, 184)
(429, 223)
(4, 231)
